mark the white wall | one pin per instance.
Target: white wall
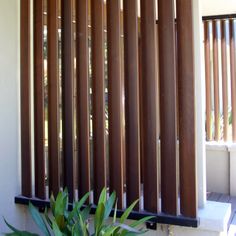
(217, 7)
(9, 116)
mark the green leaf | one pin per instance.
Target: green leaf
(128, 211)
(82, 201)
(109, 205)
(17, 232)
(56, 229)
(127, 228)
(99, 217)
(73, 213)
(85, 212)
(103, 197)
(38, 219)
(141, 221)
(115, 212)
(48, 220)
(52, 204)
(60, 220)
(109, 230)
(61, 203)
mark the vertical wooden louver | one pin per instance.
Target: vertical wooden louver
(233, 76)
(53, 98)
(25, 67)
(116, 151)
(149, 106)
(216, 80)
(167, 67)
(220, 103)
(188, 202)
(132, 119)
(67, 96)
(85, 49)
(208, 80)
(98, 55)
(39, 100)
(224, 79)
(82, 67)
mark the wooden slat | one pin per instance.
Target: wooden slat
(99, 150)
(39, 100)
(167, 69)
(53, 98)
(67, 96)
(177, 92)
(149, 106)
(224, 79)
(216, 81)
(82, 66)
(25, 36)
(140, 106)
(188, 202)
(208, 80)
(132, 121)
(115, 100)
(233, 77)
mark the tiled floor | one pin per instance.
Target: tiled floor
(218, 197)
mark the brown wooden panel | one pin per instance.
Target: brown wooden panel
(140, 105)
(67, 96)
(99, 150)
(167, 69)
(216, 80)
(208, 80)
(149, 105)
(25, 36)
(53, 98)
(39, 101)
(132, 121)
(224, 79)
(115, 100)
(233, 78)
(188, 202)
(83, 96)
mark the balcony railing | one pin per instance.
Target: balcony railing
(220, 74)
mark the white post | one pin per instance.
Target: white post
(200, 103)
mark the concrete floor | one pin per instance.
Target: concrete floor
(218, 197)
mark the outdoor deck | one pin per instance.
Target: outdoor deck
(219, 197)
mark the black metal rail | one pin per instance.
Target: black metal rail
(219, 17)
(158, 218)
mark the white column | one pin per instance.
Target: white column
(9, 115)
(232, 169)
(200, 102)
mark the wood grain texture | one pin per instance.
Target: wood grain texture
(82, 66)
(132, 121)
(216, 80)
(116, 126)
(98, 47)
(233, 77)
(208, 80)
(25, 65)
(224, 80)
(67, 96)
(39, 128)
(53, 99)
(149, 105)
(186, 80)
(167, 68)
